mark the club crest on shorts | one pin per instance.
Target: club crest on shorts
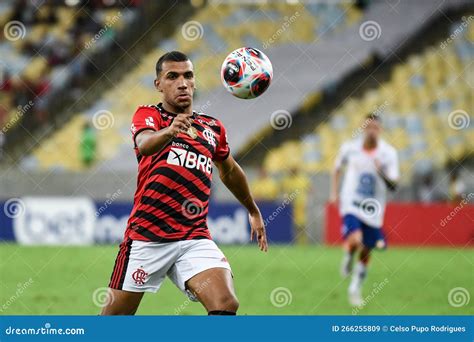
(139, 276)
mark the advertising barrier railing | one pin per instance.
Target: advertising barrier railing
(83, 221)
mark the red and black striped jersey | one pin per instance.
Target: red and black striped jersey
(173, 185)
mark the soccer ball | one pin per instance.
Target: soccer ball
(246, 73)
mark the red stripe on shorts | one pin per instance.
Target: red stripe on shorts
(119, 264)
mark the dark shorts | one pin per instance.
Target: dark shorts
(370, 235)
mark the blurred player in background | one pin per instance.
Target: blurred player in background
(167, 232)
(457, 188)
(371, 168)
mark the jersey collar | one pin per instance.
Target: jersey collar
(161, 109)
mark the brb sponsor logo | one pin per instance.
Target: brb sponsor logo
(189, 159)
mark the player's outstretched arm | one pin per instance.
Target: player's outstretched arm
(150, 142)
(235, 180)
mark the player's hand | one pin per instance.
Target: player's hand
(180, 124)
(257, 229)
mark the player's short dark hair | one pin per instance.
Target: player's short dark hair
(373, 117)
(173, 56)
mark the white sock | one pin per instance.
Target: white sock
(358, 276)
(348, 257)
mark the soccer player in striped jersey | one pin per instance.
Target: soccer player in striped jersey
(371, 167)
(166, 234)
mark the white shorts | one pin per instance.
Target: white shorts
(141, 266)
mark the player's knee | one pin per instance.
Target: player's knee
(115, 310)
(227, 302)
(234, 304)
(356, 240)
(231, 303)
(119, 309)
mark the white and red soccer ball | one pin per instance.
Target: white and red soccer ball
(246, 73)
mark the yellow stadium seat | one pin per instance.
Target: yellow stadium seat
(266, 188)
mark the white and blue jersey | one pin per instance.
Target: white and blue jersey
(364, 192)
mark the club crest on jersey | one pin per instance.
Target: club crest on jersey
(209, 135)
(189, 159)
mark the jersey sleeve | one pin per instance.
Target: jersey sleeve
(145, 118)
(222, 149)
(392, 168)
(341, 158)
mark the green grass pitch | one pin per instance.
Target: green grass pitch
(304, 280)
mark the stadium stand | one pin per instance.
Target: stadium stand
(238, 25)
(413, 105)
(42, 49)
